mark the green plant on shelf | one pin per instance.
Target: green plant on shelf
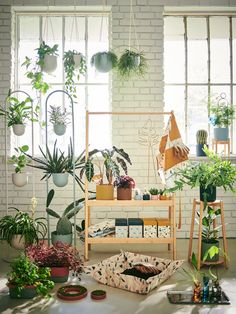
(154, 191)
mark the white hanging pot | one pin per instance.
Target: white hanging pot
(19, 179)
(103, 62)
(137, 60)
(60, 179)
(50, 64)
(59, 129)
(77, 60)
(18, 242)
(18, 129)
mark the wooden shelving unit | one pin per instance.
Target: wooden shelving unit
(169, 204)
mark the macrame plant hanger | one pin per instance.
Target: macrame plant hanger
(132, 24)
(48, 20)
(75, 26)
(104, 3)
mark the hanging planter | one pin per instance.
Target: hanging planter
(19, 179)
(59, 119)
(18, 129)
(47, 57)
(132, 63)
(19, 161)
(104, 61)
(60, 179)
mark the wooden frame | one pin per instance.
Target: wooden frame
(170, 204)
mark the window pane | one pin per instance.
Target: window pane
(234, 48)
(197, 50)
(219, 45)
(174, 64)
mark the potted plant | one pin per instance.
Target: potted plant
(124, 185)
(104, 61)
(222, 115)
(163, 194)
(146, 195)
(26, 280)
(60, 258)
(59, 119)
(113, 159)
(46, 61)
(19, 161)
(132, 63)
(201, 138)
(74, 65)
(63, 232)
(21, 229)
(18, 113)
(209, 175)
(154, 193)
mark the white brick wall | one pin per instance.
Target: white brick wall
(144, 94)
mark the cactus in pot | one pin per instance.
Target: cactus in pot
(201, 137)
(63, 232)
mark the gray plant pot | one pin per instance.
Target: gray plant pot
(59, 129)
(221, 134)
(60, 179)
(18, 129)
(103, 62)
(50, 64)
(19, 179)
(29, 292)
(64, 238)
(206, 246)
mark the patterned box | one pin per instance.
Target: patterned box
(149, 228)
(121, 228)
(135, 227)
(163, 228)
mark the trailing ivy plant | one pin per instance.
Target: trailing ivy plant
(72, 70)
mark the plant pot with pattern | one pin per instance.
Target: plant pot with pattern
(60, 258)
(19, 161)
(201, 138)
(21, 230)
(108, 162)
(104, 61)
(124, 185)
(26, 280)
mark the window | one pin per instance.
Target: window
(199, 61)
(86, 33)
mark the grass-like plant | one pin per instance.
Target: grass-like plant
(132, 63)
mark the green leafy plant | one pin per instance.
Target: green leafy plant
(18, 112)
(59, 115)
(25, 273)
(154, 191)
(72, 71)
(19, 161)
(108, 57)
(34, 70)
(132, 63)
(110, 165)
(216, 172)
(201, 137)
(222, 114)
(24, 225)
(193, 274)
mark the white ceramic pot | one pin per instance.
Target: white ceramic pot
(18, 242)
(137, 61)
(19, 179)
(50, 64)
(59, 129)
(77, 60)
(18, 129)
(60, 179)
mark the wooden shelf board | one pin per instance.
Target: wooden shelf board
(141, 203)
(130, 240)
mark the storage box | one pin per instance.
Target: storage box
(163, 228)
(121, 228)
(135, 227)
(149, 228)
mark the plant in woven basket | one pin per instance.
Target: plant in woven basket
(59, 255)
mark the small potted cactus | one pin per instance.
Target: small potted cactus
(154, 193)
(63, 232)
(201, 137)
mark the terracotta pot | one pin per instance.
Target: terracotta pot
(59, 274)
(104, 192)
(165, 197)
(28, 292)
(124, 193)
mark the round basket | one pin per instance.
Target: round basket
(98, 294)
(72, 292)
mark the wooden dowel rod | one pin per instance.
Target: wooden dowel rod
(129, 113)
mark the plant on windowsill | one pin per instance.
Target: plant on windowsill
(46, 62)
(222, 115)
(60, 258)
(208, 175)
(113, 159)
(132, 63)
(19, 161)
(21, 229)
(104, 61)
(74, 66)
(26, 279)
(18, 114)
(124, 185)
(59, 119)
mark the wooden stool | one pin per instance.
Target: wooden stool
(215, 144)
(216, 204)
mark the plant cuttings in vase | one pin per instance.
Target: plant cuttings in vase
(104, 61)
(74, 65)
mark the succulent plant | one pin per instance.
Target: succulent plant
(201, 137)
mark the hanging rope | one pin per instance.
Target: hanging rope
(104, 3)
(74, 25)
(132, 22)
(45, 31)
